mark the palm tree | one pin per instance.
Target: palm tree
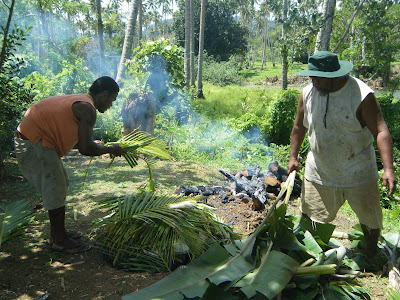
(201, 47)
(128, 41)
(187, 44)
(284, 47)
(100, 33)
(324, 34)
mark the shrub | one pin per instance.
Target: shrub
(249, 125)
(391, 113)
(15, 97)
(280, 117)
(221, 73)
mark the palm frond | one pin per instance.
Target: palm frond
(156, 224)
(141, 145)
(13, 215)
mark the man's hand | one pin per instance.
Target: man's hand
(116, 150)
(389, 178)
(293, 165)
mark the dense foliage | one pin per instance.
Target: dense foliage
(222, 73)
(280, 117)
(160, 62)
(15, 94)
(223, 36)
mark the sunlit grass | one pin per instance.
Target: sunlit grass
(255, 74)
(233, 101)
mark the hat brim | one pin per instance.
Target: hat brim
(345, 67)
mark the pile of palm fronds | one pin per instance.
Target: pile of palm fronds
(140, 145)
(285, 258)
(13, 215)
(149, 232)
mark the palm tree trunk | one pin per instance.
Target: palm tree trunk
(192, 77)
(201, 47)
(140, 21)
(284, 49)
(128, 41)
(324, 34)
(187, 44)
(100, 32)
(265, 37)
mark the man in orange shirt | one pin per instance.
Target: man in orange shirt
(49, 130)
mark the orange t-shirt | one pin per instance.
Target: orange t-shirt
(52, 121)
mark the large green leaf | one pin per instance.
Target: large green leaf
(216, 265)
(271, 277)
(13, 215)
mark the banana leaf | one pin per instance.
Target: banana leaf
(13, 215)
(216, 265)
(271, 277)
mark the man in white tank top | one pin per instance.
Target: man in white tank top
(342, 118)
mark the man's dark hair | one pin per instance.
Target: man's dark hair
(104, 83)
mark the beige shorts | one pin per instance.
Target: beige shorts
(321, 203)
(44, 170)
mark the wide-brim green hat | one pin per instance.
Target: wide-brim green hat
(326, 64)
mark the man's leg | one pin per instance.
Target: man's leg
(58, 235)
(371, 240)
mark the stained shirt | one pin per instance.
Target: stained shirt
(52, 121)
(341, 150)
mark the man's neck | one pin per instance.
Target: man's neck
(338, 83)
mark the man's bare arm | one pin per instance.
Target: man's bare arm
(86, 115)
(370, 115)
(297, 137)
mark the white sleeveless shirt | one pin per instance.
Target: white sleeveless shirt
(342, 154)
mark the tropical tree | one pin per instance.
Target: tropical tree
(100, 33)
(201, 49)
(324, 34)
(284, 45)
(15, 95)
(128, 41)
(187, 44)
(223, 35)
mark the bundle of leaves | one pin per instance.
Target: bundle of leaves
(140, 145)
(155, 233)
(284, 258)
(13, 216)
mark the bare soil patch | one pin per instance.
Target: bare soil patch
(29, 269)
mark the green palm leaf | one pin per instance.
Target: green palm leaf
(155, 226)
(13, 215)
(139, 145)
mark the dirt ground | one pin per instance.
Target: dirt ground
(29, 269)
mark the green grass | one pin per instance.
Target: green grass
(255, 75)
(234, 101)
